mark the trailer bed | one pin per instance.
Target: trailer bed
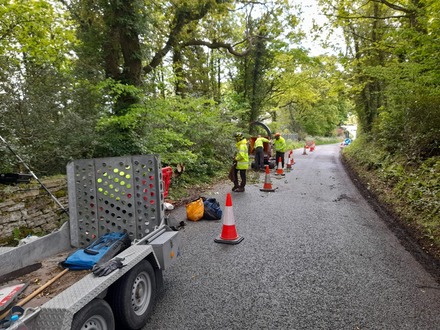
(37, 278)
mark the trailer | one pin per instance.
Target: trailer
(117, 194)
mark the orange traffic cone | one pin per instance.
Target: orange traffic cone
(267, 183)
(289, 164)
(304, 152)
(312, 147)
(292, 160)
(229, 232)
(280, 171)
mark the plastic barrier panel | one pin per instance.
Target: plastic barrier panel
(167, 173)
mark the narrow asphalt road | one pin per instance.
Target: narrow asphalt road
(315, 255)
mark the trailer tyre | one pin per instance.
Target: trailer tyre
(132, 296)
(96, 315)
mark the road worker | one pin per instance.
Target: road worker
(242, 162)
(280, 148)
(259, 152)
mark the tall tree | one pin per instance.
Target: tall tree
(37, 107)
(392, 49)
(257, 73)
(132, 38)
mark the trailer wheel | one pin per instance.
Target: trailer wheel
(96, 315)
(133, 295)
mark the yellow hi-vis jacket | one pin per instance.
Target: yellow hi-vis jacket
(242, 156)
(260, 141)
(280, 144)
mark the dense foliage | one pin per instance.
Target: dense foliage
(410, 190)
(85, 79)
(392, 58)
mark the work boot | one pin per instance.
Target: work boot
(234, 188)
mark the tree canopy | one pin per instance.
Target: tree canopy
(392, 58)
(93, 78)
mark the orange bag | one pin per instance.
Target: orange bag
(195, 210)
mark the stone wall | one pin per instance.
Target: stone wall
(30, 206)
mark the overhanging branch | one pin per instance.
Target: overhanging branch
(217, 45)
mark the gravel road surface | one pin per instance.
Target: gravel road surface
(315, 255)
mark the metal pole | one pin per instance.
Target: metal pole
(33, 174)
